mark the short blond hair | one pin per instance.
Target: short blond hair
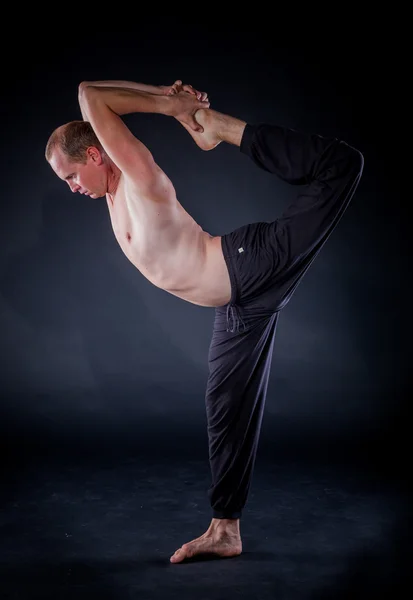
(73, 139)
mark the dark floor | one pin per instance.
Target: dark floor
(105, 528)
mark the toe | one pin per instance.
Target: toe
(178, 556)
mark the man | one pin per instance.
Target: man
(248, 275)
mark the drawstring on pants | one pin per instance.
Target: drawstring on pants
(234, 315)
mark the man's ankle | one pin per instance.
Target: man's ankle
(229, 129)
(229, 525)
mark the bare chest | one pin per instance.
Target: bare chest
(159, 237)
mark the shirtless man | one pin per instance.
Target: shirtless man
(247, 275)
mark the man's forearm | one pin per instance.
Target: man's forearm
(122, 100)
(130, 85)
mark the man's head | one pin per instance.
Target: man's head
(76, 156)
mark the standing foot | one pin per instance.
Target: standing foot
(218, 541)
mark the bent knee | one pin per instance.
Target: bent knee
(355, 160)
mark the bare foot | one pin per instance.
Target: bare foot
(211, 543)
(208, 139)
(217, 128)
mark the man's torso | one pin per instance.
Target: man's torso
(168, 247)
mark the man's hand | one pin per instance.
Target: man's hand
(178, 86)
(184, 105)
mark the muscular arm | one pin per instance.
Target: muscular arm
(122, 100)
(158, 90)
(102, 106)
(127, 100)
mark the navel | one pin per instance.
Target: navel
(128, 236)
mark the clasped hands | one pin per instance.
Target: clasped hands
(188, 101)
(178, 86)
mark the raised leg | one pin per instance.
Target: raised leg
(327, 171)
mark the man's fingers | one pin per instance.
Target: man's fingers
(202, 96)
(191, 90)
(188, 88)
(175, 87)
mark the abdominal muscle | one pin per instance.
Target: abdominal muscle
(170, 249)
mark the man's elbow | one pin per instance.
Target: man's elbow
(83, 96)
(84, 86)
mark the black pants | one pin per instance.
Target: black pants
(266, 262)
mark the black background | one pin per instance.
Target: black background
(97, 364)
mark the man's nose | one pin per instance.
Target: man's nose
(74, 187)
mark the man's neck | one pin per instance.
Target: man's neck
(113, 179)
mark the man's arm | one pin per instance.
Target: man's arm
(123, 100)
(115, 90)
(157, 90)
(102, 106)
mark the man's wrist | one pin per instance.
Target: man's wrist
(163, 90)
(156, 90)
(167, 105)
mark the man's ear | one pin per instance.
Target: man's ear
(94, 153)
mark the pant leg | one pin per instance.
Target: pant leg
(239, 369)
(328, 171)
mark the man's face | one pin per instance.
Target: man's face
(88, 178)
